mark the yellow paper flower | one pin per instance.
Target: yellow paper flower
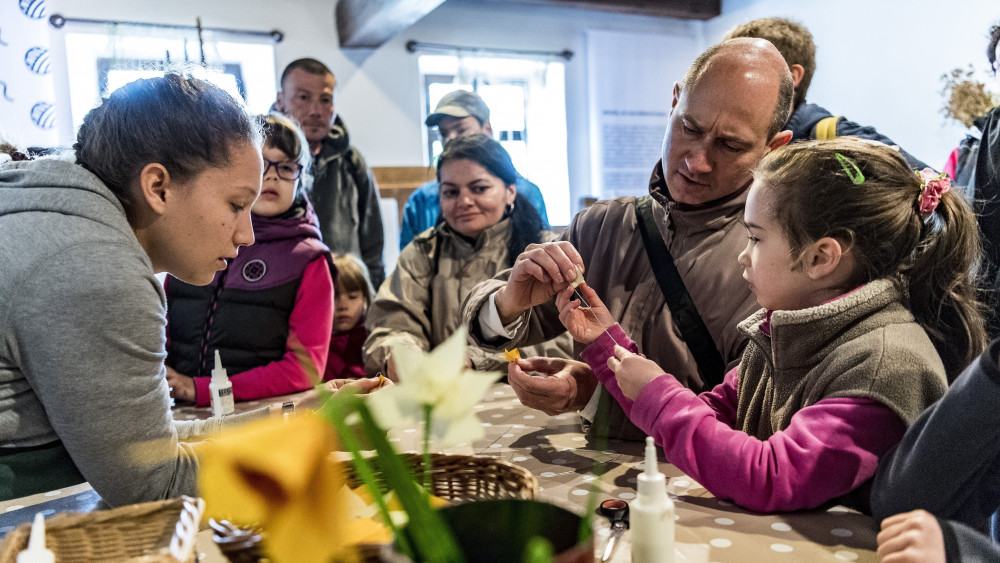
(510, 355)
(278, 474)
(439, 380)
(364, 523)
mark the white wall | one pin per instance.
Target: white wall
(498, 25)
(876, 73)
(379, 92)
(879, 62)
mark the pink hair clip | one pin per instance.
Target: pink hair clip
(932, 186)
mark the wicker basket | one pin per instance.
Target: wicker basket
(161, 531)
(464, 478)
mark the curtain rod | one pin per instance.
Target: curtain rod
(413, 46)
(58, 21)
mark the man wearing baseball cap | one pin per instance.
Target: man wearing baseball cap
(458, 114)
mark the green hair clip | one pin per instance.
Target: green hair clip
(851, 169)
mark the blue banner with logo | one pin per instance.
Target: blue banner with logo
(28, 109)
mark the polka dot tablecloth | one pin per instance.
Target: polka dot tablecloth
(302, 400)
(554, 449)
(707, 529)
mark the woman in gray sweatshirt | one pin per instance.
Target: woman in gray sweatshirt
(166, 171)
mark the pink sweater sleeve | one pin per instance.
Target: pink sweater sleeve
(829, 448)
(722, 398)
(951, 164)
(309, 329)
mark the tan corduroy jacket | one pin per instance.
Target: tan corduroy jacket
(421, 302)
(704, 241)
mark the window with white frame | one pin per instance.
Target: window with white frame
(527, 101)
(102, 60)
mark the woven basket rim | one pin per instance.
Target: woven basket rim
(492, 476)
(184, 514)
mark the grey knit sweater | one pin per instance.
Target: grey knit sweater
(82, 336)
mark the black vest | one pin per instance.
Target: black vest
(244, 312)
(249, 328)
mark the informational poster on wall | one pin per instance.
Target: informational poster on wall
(631, 80)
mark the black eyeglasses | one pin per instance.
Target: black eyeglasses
(286, 170)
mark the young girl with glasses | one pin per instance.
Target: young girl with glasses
(862, 268)
(270, 312)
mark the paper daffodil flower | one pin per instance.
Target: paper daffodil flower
(437, 380)
(364, 525)
(278, 474)
(510, 355)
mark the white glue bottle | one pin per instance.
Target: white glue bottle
(652, 515)
(221, 389)
(37, 552)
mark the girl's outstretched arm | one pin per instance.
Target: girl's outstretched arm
(722, 399)
(829, 449)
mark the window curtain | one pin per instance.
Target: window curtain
(28, 107)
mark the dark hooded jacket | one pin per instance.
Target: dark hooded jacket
(346, 199)
(803, 122)
(986, 182)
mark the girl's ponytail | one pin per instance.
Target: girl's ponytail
(941, 282)
(864, 194)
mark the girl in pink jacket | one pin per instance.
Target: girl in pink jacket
(862, 268)
(353, 296)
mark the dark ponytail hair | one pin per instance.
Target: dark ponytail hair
(934, 260)
(481, 149)
(183, 123)
(10, 150)
(525, 222)
(525, 227)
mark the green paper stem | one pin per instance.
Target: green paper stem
(427, 537)
(336, 410)
(538, 550)
(428, 465)
(431, 535)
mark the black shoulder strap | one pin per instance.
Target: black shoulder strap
(710, 364)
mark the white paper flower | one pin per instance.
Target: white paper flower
(437, 379)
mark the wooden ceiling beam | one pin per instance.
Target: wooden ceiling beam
(680, 9)
(370, 23)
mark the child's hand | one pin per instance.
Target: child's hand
(584, 324)
(181, 386)
(632, 371)
(363, 386)
(911, 537)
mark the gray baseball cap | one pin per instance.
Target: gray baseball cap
(460, 103)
